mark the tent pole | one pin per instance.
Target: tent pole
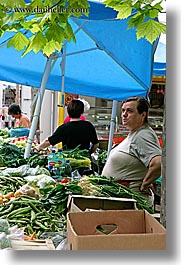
(38, 107)
(61, 95)
(112, 123)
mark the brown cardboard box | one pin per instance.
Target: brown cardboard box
(132, 230)
(77, 203)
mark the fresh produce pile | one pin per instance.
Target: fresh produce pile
(30, 213)
(101, 160)
(4, 133)
(48, 213)
(102, 186)
(13, 156)
(36, 215)
(31, 199)
(77, 153)
(78, 158)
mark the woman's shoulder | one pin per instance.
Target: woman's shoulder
(24, 116)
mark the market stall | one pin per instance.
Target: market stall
(34, 196)
(35, 200)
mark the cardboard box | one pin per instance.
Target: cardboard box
(127, 230)
(77, 203)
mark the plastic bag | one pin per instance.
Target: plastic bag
(4, 226)
(19, 171)
(40, 181)
(56, 237)
(4, 241)
(16, 233)
(18, 132)
(62, 245)
(38, 171)
(33, 171)
(27, 190)
(75, 175)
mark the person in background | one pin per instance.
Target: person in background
(136, 161)
(74, 133)
(82, 117)
(21, 120)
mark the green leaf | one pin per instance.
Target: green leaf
(111, 3)
(19, 41)
(136, 20)
(51, 47)
(124, 11)
(36, 4)
(38, 42)
(35, 27)
(13, 3)
(56, 33)
(150, 30)
(8, 19)
(153, 13)
(158, 7)
(68, 33)
(1, 32)
(26, 24)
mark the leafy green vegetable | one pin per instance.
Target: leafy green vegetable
(110, 188)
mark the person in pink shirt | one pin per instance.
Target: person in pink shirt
(82, 117)
(21, 120)
(67, 119)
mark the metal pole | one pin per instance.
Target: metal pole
(112, 124)
(61, 95)
(38, 107)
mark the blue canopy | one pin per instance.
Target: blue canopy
(106, 61)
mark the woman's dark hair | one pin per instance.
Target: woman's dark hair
(142, 105)
(14, 109)
(75, 108)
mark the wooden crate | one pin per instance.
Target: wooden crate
(46, 244)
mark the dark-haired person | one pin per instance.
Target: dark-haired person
(136, 161)
(21, 120)
(73, 133)
(82, 117)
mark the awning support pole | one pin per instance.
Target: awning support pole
(112, 124)
(36, 115)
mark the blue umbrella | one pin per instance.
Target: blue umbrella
(106, 61)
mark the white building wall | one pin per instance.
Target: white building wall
(48, 115)
(26, 100)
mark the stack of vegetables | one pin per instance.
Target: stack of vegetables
(78, 158)
(44, 212)
(102, 186)
(33, 200)
(13, 156)
(30, 198)
(4, 133)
